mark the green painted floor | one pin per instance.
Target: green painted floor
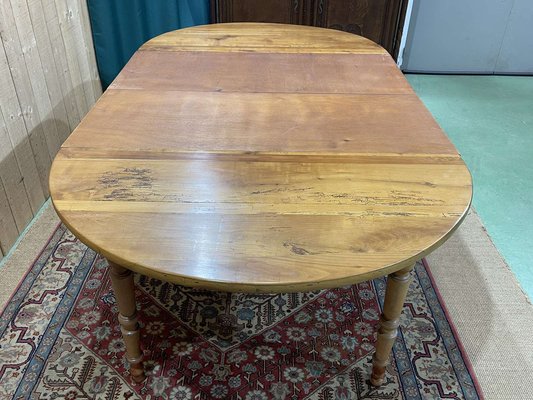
(490, 121)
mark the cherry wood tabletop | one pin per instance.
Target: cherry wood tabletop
(260, 157)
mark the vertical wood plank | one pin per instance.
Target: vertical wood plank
(34, 130)
(37, 80)
(81, 50)
(67, 33)
(48, 81)
(17, 201)
(60, 58)
(75, 19)
(46, 57)
(15, 209)
(8, 228)
(18, 141)
(90, 55)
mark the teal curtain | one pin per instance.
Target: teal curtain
(120, 27)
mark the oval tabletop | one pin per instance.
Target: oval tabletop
(260, 157)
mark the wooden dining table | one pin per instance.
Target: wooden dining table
(251, 157)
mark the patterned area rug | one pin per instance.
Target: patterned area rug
(59, 339)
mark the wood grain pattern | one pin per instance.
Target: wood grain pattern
(233, 157)
(41, 105)
(397, 287)
(20, 113)
(9, 231)
(60, 59)
(123, 286)
(279, 11)
(43, 48)
(89, 57)
(280, 122)
(67, 25)
(271, 38)
(377, 20)
(263, 72)
(38, 99)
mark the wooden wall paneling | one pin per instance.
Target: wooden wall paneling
(46, 57)
(16, 202)
(17, 141)
(8, 228)
(89, 48)
(78, 43)
(64, 76)
(67, 34)
(15, 208)
(48, 81)
(82, 37)
(43, 105)
(33, 128)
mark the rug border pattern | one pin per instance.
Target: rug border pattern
(451, 340)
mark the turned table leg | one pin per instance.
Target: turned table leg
(122, 281)
(397, 285)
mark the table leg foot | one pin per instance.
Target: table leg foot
(137, 372)
(397, 285)
(122, 282)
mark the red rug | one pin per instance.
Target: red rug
(59, 339)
